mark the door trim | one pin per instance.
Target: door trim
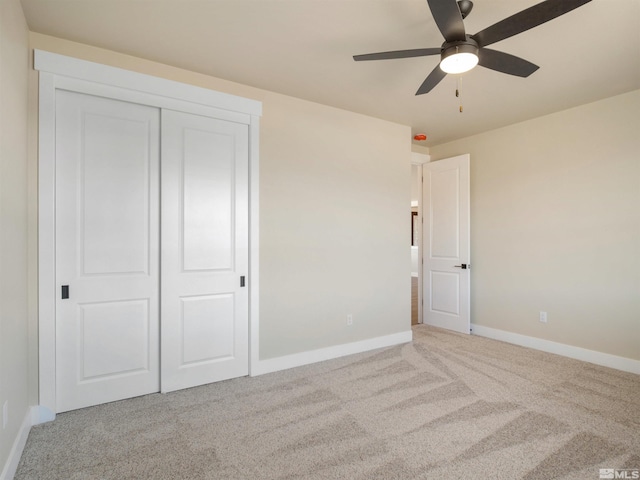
(67, 73)
(419, 160)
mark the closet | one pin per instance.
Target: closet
(150, 230)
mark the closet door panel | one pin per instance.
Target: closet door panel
(107, 250)
(204, 250)
(208, 201)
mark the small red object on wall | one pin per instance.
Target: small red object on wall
(420, 137)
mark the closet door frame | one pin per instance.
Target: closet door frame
(59, 72)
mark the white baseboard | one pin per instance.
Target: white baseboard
(322, 354)
(13, 460)
(591, 356)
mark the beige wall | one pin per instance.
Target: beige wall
(13, 221)
(416, 180)
(334, 195)
(334, 230)
(555, 226)
(415, 148)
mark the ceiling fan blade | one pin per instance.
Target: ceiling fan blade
(416, 52)
(505, 63)
(432, 80)
(448, 18)
(526, 19)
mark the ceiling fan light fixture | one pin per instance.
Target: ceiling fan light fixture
(459, 58)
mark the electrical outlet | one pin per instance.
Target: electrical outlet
(543, 317)
(349, 319)
(5, 414)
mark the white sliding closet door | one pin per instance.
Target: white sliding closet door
(151, 254)
(204, 250)
(107, 225)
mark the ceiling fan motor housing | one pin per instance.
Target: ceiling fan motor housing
(459, 56)
(462, 46)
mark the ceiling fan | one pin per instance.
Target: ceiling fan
(461, 52)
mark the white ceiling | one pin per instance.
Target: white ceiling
(304, 48)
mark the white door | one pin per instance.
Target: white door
(107, 202)
(204, 250)
(446, 240)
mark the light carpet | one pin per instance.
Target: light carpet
(445, 406)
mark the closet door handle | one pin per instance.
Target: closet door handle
(242, 281)
(65, 292)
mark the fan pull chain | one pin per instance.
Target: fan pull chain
(459, 92)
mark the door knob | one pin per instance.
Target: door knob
(464, 266)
